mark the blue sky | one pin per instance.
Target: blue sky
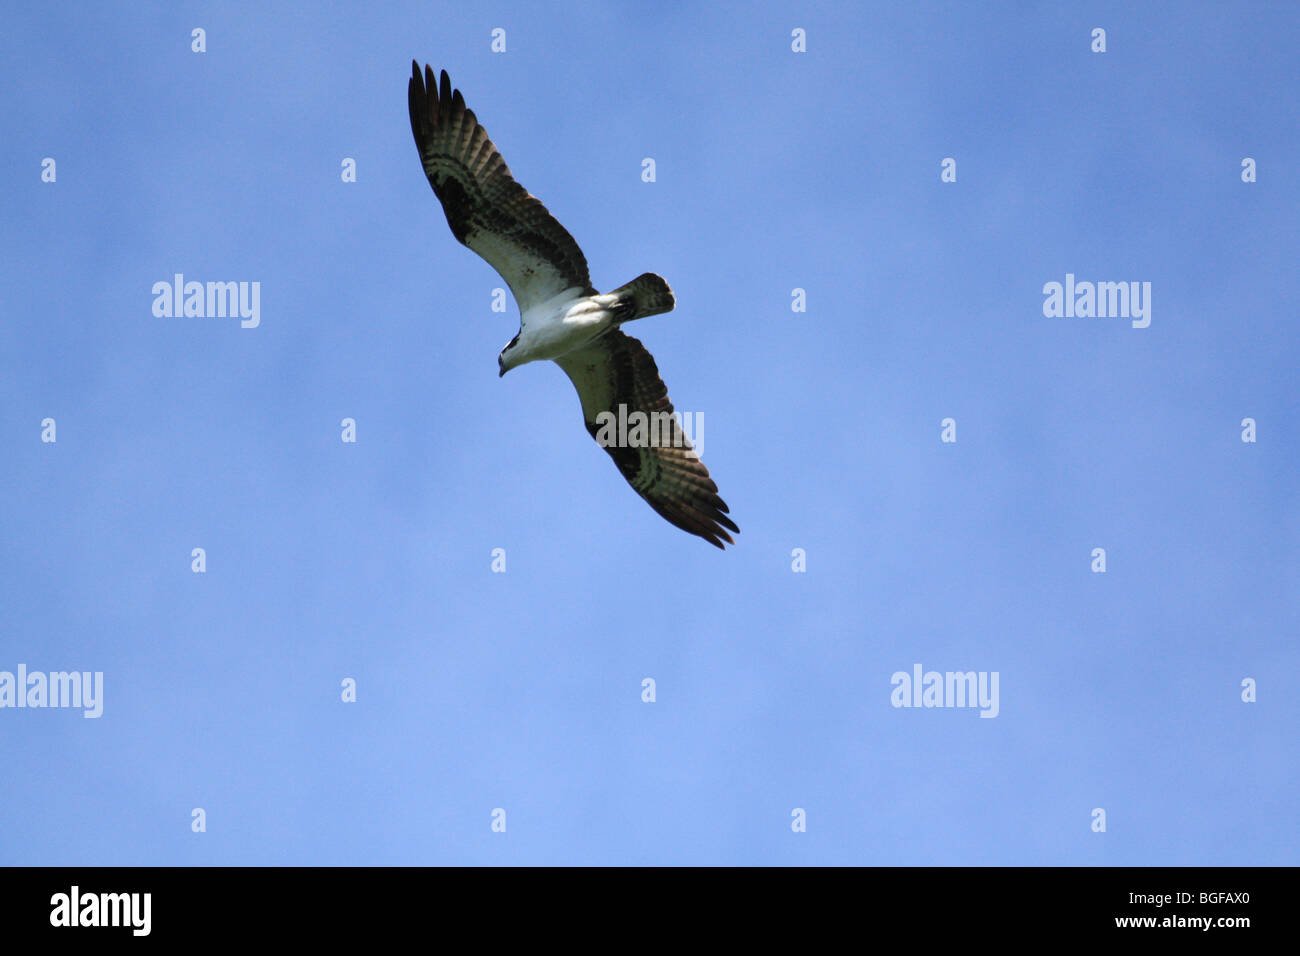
(522, 690)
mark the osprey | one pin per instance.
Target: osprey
(562, 317)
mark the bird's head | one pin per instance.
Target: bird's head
(508, 358)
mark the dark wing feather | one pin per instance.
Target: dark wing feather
(617, 370)
(486, 209)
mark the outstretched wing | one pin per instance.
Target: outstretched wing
(486, 209)
(617, 370)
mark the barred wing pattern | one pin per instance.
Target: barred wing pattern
(486, 209)
(617, 370)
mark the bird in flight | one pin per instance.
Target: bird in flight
(562, 317)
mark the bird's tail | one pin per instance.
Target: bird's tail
(647, 294)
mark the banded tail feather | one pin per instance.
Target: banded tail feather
(647, 294)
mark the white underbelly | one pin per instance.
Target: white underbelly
(561, 330)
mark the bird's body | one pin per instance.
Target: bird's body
(562, 316)
(558, 326)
